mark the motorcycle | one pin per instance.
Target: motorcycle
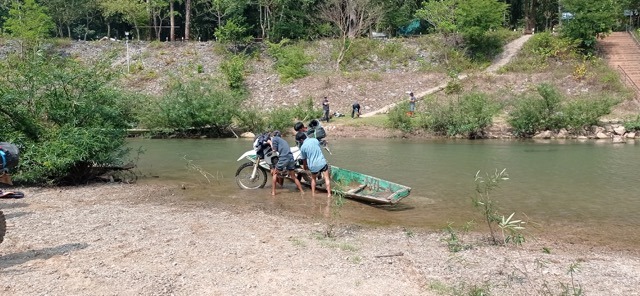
(253, 174)
(8, 159)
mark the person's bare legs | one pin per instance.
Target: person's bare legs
(327, 182)
(274, 180)
(313, 184)
(292, 175)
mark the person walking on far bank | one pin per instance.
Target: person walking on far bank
(325, 109)
(412, 104)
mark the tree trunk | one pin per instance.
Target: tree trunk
(69, 32)
(530, 16)
(108, 30)
(172, 33)
(187, 20)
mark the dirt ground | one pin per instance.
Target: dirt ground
(116, 239)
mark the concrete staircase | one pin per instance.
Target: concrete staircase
(623, 53)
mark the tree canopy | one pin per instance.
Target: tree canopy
(275, 20)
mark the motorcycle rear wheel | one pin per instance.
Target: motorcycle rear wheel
(3, 226)
(243, 177)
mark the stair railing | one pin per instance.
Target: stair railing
(633, 35)
(628, 78)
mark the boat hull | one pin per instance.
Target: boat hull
(366, 188)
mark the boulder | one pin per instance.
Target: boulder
(618, 139)
(562, 134)
(619, 130)
(247, 135)
(602, 135)
(543, 135)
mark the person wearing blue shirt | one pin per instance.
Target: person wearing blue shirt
(314, 161)
(286, 163)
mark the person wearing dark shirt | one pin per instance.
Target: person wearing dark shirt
(286, 163)
(325, 109)
(355, 109)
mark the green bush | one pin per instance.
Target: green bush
(281, 119)
(541, 48)
(194, 105)
(398, 118)
(306, 110)
(67, 118)
(364, 51)
(252, 120)
(549, 112)
(633, 124)
(233, 68)
(579, 114)
(533, 114)
(483, 46)
(467, 117)
(290, 60)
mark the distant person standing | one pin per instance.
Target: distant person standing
(325, 108)
(412, 104)
(355, 109)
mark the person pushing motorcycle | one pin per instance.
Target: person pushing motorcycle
(285, 165)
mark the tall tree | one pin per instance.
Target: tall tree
(440, 15)
(591, 18)
(187, 20)
(134, 12)
(530, 15)
(65, 13)
(352, 18)
(28, 22)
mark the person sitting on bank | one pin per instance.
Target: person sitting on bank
(286, 163)
(355, 109)
(314, 161)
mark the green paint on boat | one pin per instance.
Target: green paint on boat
(366, 188)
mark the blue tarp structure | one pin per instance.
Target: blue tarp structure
(410, 29)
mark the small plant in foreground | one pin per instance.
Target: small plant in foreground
(570, 289)
(454, 237)
(511, 229)
(574, 289)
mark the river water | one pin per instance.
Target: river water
(575, 191)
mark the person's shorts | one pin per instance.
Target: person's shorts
(412, 107)
(324, 168)
(284, 165)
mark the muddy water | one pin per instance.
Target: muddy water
(577, 191)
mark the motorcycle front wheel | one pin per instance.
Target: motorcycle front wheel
(3, 226)
(243, 177)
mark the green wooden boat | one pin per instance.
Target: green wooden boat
(366, 188)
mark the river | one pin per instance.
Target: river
(577, 191)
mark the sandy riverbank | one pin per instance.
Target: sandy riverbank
(140, 239)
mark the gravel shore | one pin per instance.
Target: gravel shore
(116, 239)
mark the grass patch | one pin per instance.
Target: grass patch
(379, 121)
